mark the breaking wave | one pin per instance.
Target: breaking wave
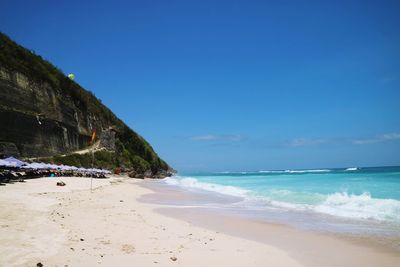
(189, 182)
(275, 171)
(341, 204)
(360, 206)
(298, 171)
(307, 171)
(352, 169)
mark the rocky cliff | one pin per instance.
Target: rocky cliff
(45, 114)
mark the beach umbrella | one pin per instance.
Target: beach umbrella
(50, 166)
(54, 166)
(67, 168)
(36, 166)
(63, 167)
(15, 162)
(4, 163)
(33, 165)
(46, 166)
(27, 166)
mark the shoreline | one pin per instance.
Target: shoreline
(69, 226)
(308, 248)
(181, 204)
(173, 196)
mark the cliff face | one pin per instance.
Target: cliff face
(44, 114)
(38, 120)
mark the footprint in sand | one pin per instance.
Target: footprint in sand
(128, 249)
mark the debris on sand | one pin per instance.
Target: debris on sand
(61, 183)
(173, 258)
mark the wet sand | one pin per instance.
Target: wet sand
(308, 247)
(116, 225)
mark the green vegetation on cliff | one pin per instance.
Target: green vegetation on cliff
(132, 151)
(18, 59)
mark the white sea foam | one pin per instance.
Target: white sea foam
(360, 206)
(190, 182)
(228, 172)
(290, 206)
(339, 204)
(348, 206)
(352, 169)
(307, 171)
(298, 171)
(277, 171)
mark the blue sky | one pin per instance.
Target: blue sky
(233, 85)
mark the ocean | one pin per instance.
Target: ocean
(360, 201)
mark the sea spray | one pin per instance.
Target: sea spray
(352, 193)
(360, 206)
(189, 182)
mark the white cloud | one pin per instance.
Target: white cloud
(378, 139)
(296, 142)
(391, 136)
(365, 141)
(208, 137)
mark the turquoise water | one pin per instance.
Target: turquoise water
(363, 194)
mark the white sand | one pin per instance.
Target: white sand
(41, 222)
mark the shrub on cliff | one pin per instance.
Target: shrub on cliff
(132, 150)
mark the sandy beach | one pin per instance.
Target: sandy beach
(113, 226)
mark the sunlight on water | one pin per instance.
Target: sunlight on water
(361, 195)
